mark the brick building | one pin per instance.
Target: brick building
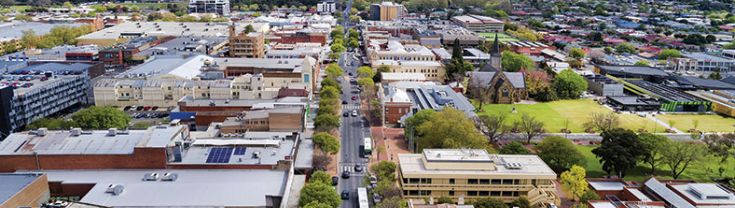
(23, 189)
(286, 118)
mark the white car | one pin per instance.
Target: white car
(354, 113)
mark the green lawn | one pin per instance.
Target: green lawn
(707, 123)
(701, 172)
(502, 37)
(570, 114)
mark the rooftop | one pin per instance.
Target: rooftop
(44, 142)
(175, 65)
(706, 57)
(705, 193)
(189, 29)
(14, 30)
(12, 183)
(192, 188)
(456, 155)
(184, 45)
(528, 165)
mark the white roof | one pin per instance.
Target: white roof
(236, 142)
(403, 76)
(706, 193)
(398, 96)
(185, 68)
(607, 185)
(243, 188)
(602, 204)
(531, 165)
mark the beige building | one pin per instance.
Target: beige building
(387, 11)
(431, 70)
(396, 51)
(477, 23)
(468, 174)
(164, 92)
(248, 45)
(283, 118)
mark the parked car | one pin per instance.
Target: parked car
(354, 113)
(354, 97)
(335, 180)
(345, 195)
(345, 174)
(344, 102)
(358, 168)
(345, 114)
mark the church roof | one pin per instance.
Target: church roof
(483, 78)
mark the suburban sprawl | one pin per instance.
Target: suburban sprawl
(367, 103)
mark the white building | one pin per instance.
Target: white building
(220, 7)
(327, 6)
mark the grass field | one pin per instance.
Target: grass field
(701, 172)
(707, 123)
(502, 37)
(570, 114)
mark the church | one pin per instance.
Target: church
(493, 85)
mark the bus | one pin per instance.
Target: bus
(367, 146)
(362, 198)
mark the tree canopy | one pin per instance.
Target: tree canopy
(514, 148)
(668, 53)
(321, 193)
(573, 181)
(513, 62)
(619, 151)
(559, 153)
(101, 118)
(569, 85)
(326, 142)
(450, 128)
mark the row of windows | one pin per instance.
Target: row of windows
(469, 181)
(416, 192)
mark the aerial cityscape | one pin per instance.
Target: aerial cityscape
(367, 103)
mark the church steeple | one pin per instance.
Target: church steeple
(496, 46)
(495, 56)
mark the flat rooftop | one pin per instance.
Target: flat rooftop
(192, 188)
(178, 29)
(176, 65)
(14, 30)
(88, 142)
(456, 155)
(237, 151)
(196, 45)
(12, 183)
(606, 185)
(531, 165)
(705, 193)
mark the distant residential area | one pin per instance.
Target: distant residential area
(367, 103)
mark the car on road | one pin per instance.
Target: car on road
(354, 97)
(358, 168)
(354, 113)
(345, 195)
(350, 73)
(335, 180)
(344, 102)
(345, 114)
(345, 174)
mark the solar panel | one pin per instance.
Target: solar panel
(219, 155)
(240, 150)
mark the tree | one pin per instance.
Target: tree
(589, 195)
(625, 48)
(457, 67)
(338, 48)
(320, 176)
(319, 192)
(249, 28)
(654, 146)
(496, 125)
(569, 85)
(330, 83)
(489, 202)
(577, 53)
(720, 146)
(316, 204)
(392, 202)
(321, 161)
(679, 155)
(384, 170)
(366, 82)
(365, 71)
(514, 148)
(326, 122)
(326, 142)
(668, 53)
(715, 75)
(619, 151)
(529, 126)
(642, 63)
(378, 75)
(101, 118)
(333, 71)
(329, 92)
(573, 182)
(513, 62)
(521, 202)
(51, 124)
(29, 39)
(450, 128)
(559, 153)
(695, 39)
(444, 200)
(603, 121)
(353, 43)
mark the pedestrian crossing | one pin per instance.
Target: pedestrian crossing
(351, 107)
(347, 168)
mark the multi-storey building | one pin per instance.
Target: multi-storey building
(467, 174)
(387, 11)
(396, 51)
(283, 118)
(40, 91)
(220, 7)
(432, 70)
(248, 45)
(326, 7)
(477, 23)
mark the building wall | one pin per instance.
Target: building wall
(394, 111)
(441, 185)
(300, 37)
(33, 195)
(141, 158)
(60, 189)
(56, 95)
(432, 73)
(247, 45)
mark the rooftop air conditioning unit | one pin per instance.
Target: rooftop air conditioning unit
(150, 177)
(76, 131)
(114, 189)
(112, 132)
(42, 132)
(169, 177)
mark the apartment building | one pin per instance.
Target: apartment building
(326, 7)
(477, 23)
(397, 51)
(467, 174)
(704, 63)
(387, 11)
(432, 70)
(40, 91)
(288, 118)
(248, 45)
(220, 7)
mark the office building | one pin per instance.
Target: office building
(41, 91)
(283, 118)
(468, 174)
(477, 23)
(432, 70)
(220, 7)
(387, 11)
(326, 7)
(657, 193)
(23, 189)
(397, 51)
(704, 63)
(248, 45)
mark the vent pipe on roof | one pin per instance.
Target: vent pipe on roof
(42, 132)
(112, 132)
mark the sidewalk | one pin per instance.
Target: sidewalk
(392, 140)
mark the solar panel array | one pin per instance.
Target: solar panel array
(240, 150)
(219, 155)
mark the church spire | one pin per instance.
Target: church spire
(496, 46)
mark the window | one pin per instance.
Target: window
(496, 181)
(484, 181)
(483, 193)
(507, 181)
(471, 193)
(451, 181)
(495, 193)
(451, 193)
(471, 181)
(507, 193)
(413, 180)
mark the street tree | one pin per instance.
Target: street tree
(319, 192)
(489, 202)
(573, 181)
(326, 142)
(619, 151)
(326, 122)
(678, 156)
(333, 71)
(603, 121)
(668, 53)
(329, 92)
(569, 85)
(559, 153)
(529, 126)
(514, 148)
(392, 202)
(365, 71)
(521, 202)
(496, 125)
(320, 176)
(316, 204)
(654, 146)
(378, 75)
(384, 170)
